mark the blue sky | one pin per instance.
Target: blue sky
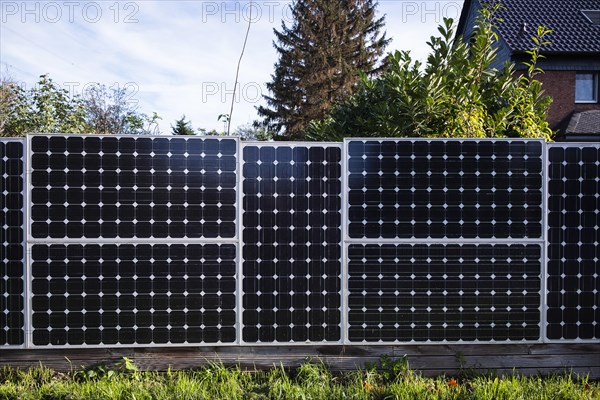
(175, 57)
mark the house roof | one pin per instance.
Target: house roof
(584, 122)
(572, 31)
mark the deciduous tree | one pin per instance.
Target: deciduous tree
(113, 111)
(45, 108)
(48, 108)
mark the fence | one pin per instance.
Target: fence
(128, 241)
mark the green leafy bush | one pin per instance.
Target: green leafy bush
(457, 93)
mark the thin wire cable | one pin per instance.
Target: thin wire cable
(237, 72)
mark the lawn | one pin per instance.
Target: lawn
(387, 380)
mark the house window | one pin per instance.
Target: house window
(586, 88)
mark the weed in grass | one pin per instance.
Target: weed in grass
(125, 367)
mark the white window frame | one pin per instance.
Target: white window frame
(594, 88)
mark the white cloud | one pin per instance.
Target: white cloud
(180, 55)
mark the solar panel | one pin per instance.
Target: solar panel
(402, 189)
(87, 187)
(133, 241)
(443, 292)
(12, 290)
(133, 294)
(573, 237)
(292, 243)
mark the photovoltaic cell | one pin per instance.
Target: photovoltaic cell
(131, 294)
(292, 243)
(573, 237)
(86, 187)
(443, 292)
(444, 189)
(12, 290)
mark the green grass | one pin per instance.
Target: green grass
(390, 379)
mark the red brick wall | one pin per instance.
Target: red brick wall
(560, 85)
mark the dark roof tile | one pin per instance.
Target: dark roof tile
(572, 32)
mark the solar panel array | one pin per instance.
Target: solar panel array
(142, 241)
(414, 193)
(573, 242)
(292, 243)
(164, 210)
(12, 245)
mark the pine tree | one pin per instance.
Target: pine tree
(321, 56)
(182, 127)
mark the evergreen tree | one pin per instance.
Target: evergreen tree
(182, 127)
(321, 57)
